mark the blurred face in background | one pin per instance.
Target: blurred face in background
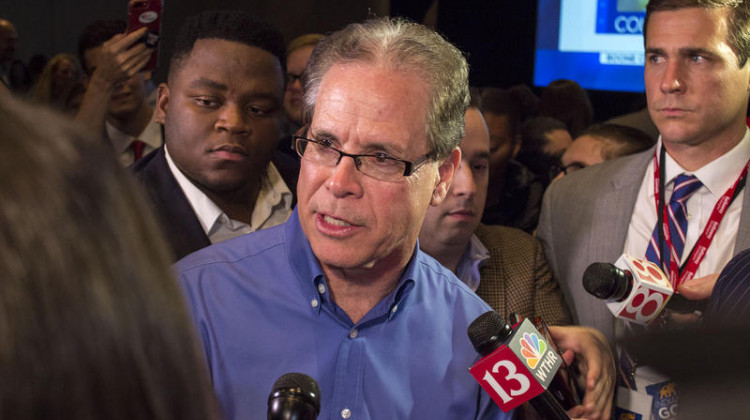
(295, 66)
(65, 76)
(8, 41)
(128, 96)
(503, 144)
(583, 152)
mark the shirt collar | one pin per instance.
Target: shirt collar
(151, 136)
(209, 214)
(468, 266)
(205, 209)
(273, 191)
(718, 175)
(310, 274)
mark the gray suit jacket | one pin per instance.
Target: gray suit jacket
(585, 218)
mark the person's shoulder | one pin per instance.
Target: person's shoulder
(440, 281)
(150, 165)
(495, 236)
(241, 250)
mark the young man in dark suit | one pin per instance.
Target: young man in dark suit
(217, 177)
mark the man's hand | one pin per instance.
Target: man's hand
(590, 351)
(698, 288)
(120, 58)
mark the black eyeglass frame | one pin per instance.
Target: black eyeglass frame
(409, 166)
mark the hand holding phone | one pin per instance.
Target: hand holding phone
(147, 13)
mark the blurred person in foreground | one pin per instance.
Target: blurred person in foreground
(92, 324)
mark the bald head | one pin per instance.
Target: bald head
(8, 39)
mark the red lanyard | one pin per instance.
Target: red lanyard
(678, 275)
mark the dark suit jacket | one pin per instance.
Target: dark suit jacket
(516, 277)
(180, 225)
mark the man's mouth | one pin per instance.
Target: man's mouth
(334, 221)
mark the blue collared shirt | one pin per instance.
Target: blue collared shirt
(262, 309)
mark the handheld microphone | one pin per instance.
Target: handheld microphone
(295, 396)
(516, 365)
(635, 290)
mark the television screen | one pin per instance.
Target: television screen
(597, 43)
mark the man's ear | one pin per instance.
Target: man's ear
(446, 170)
(162, 102)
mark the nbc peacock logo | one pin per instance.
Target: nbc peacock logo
(532, 348)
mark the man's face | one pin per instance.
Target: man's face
(455, 219)
(295, 65)
(502, 145)
(584, 151)
(696, 92)
(128, 97)
(354, 221)
(220, 110)
(8, 40)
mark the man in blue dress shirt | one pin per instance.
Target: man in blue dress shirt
(341, 291)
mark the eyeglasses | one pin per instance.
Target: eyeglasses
(291, 78)
(556, 170)
(379, 165)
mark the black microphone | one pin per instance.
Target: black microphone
(295, 396)
(634, 289)
(516, 365)
(607, 281)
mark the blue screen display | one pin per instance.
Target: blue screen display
(597, 43)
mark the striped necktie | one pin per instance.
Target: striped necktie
(684, 187)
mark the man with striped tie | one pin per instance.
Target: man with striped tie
(681, 204)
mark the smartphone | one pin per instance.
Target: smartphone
(147, 13)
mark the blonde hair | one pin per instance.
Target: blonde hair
(43, 91)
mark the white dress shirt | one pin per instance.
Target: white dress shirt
(272, 207)
(151, 137)
(717, 177)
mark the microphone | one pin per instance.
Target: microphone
(635, 290)
(516, 365)
(294, 396)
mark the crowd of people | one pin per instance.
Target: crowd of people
(345, 205)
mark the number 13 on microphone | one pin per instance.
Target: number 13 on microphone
(506, 379)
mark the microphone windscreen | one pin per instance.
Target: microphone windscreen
(600, 279)
(302, 384)
(488, 332)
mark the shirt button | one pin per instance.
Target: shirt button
(394, 309)
(346, 413)
(321, 288)
(353, 333)
(314, 303)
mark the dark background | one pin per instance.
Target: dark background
(497, 35)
